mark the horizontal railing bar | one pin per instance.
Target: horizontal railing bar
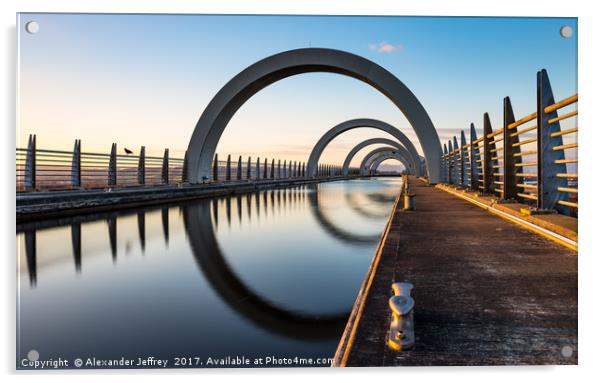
(527, 186)
(561, 103)
(567, 146)
(525, 153)
(526, 174)
(528, 118)
(567, 175)
(495, 132)
(563, 117)
(519, 132)
(526, 164)
(568, 190)
(524, 142)
(569, 204)
(567, 161)
(563, 132)
(528, 196)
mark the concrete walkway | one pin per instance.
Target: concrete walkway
(487, 291)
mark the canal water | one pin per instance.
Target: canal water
(269, 275)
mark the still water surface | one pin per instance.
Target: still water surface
(268, 274)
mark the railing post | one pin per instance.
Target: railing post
(215, 165)
(284, 170)
(445, 165)
(229, 168)
(265, 168)
(450, 164)
(185, 168)
(113, 165)
(141, 169)
(239, 169)
(278, 174)
(257, 169)
(165, 167)
(30, 163)
(249, 168)
(474, 157)
(510, 170)
(76, 165)
(272, 169)
(547, 158)
(457, 163)
(290, 168)
(487, 162)
(463, 160)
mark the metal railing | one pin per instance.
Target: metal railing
(536, 161)
(44, 169)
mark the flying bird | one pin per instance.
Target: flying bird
(127, 151)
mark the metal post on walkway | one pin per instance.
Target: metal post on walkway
(511, 153)
(284, 170)
(278, 174)
(215, 165)
(228, 168)
(185, 168)
(30, 163)
(141, 168)
(474, 159)
(257, 169)
(76, 165)
(463, 160)
(445, 165)
(487, 176)
(272, 169)
(550, 151)
(265, 168)
(249, 168)
(239, 169)
(450, 160)
(457, 163)
(113, 165)
(165, 167)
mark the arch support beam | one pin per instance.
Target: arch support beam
(251, 80)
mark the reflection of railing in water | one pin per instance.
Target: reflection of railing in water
(42, 169)
(243, 208)
(532, 170)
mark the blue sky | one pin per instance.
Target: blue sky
(145, 79)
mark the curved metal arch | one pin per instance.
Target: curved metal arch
(316, 152)
(369, 158)
(380, 159)
(251, 80)
(372, 141)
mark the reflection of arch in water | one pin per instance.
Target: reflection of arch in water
(373, 141)
(403, 141)
(370, 157)
(254, 78)
(205, 248)
(367, 213)
(343, 235)
(382, 158)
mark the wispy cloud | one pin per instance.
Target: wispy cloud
(385, 47)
